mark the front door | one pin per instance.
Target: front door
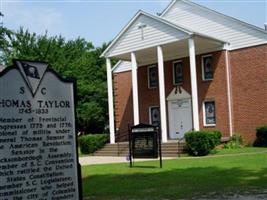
(180, 118)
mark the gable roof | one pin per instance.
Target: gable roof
(157, 19)
(171, 4)
(136, 16)
(204, 20)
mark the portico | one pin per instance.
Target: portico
(149, 39)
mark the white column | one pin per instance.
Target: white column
(229, 93)
(162, 97)
(110, 102)
(135, 89)
(193, 75)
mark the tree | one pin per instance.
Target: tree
(5, 36)
(73, 58)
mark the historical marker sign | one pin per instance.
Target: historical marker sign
(38, 156)
(144, 141)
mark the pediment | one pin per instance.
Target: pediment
(145, 31)
(178, 93)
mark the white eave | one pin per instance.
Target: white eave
(116, 65)
(168, 7)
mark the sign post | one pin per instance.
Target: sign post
(38, 144)
(160, 151)
(144, 142)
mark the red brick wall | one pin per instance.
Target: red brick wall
(249, 75)
(215, 89)
(147, 97)
(249, 88)
(123, 104)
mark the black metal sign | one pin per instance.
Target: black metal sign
(144, 142)
(38, 148)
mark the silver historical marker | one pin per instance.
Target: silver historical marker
(38, 153)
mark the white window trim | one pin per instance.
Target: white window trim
(173, 73)
(149, 113)
(148, 78)
(204, 112)
(202, 67)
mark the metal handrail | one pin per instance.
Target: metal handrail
(178, 145)
(120, 136)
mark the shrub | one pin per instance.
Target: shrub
(200, 143)
(215, 137)
(91, 143)
(261, 140)
(235, 142)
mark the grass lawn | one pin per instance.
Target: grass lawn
(179, 178)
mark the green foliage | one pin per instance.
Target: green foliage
(200, 143)
(261, 140)
(215, 137)
(235, 142)
(73, 58)
(91, 143)
(5, 36)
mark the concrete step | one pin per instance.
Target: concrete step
(170, 149)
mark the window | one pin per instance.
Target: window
(209, 113)
(207, 68)
(152, 76)
(178, 73)
(154, 115)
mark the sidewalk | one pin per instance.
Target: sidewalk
(94, 160)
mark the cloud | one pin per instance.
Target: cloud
(35, 17)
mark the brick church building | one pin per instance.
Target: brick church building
(189, 68)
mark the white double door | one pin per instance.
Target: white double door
(180, 118)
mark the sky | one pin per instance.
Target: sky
(100, 21)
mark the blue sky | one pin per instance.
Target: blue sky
(100, 21)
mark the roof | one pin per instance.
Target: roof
(258, 33)
(139, 13)
(161, 20)
(171, 4)
(122, 66)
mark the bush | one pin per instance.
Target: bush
(91, 143)
(200, 143)
(215, 137)
(235, 142)
(261, 140)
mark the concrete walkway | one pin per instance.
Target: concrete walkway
(94, 160)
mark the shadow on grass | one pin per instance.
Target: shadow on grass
(145, 167)
(174, 184)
